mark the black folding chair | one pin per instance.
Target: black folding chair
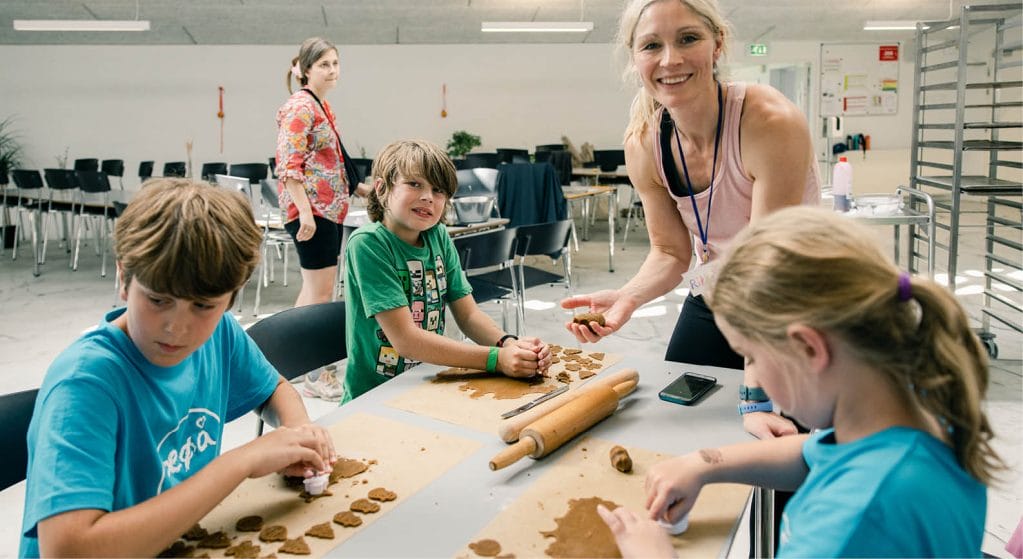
(96, 186)
(488, 261)
(15, 415)
(210, 169)
(114, 168)
(174, 169)
(145, 170)
(255, 172)
(302, 339)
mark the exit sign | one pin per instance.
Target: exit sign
(757, 49)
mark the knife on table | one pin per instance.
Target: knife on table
(534, 403)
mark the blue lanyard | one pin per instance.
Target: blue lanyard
(713, 169)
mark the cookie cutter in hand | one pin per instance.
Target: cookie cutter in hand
(677, 528)
(316, 485)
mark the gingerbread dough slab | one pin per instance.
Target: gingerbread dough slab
(584, 472)
(402, 459)
(477, 401)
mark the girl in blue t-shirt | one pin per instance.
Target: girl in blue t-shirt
(883, 365)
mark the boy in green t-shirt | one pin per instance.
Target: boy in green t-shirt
(401, 271)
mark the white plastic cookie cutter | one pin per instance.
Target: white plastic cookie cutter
(677, 528)
(317, 484)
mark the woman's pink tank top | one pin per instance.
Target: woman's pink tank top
(733, 189)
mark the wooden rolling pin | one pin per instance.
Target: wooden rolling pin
(548, 433)
(510, 428)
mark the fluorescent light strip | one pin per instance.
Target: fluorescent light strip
(80, 25)
(891, 25)
(536, 26)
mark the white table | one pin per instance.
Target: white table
(470, 495)
(586, 195)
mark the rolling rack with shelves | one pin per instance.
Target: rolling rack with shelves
(966, 150)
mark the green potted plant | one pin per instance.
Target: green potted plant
(10, 159)
(461, 143)
(10, 147)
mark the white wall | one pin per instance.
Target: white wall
(140, 103)
(135, 102)
(885, 131)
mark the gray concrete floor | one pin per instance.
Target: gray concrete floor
(42, 315)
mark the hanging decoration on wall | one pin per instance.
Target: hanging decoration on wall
(444, 100)
(220, 115)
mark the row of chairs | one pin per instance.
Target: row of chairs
(85, 202)
(608, 160)
(255, 172)
(495, 263)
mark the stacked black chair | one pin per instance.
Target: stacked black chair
(145, 170)
(96, 185)
(302, 339)
(210, 169)
(609, 159)
(15, 416)
(29, 200)
(87, 164)
(512, 155)
(550, 147)
(475, 160)
(114, 168)
(174, 169)
(488, 260)
(61, 203)
(255, 172)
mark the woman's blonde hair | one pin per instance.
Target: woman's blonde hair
(644, 107)
(312, 49)
(811, 266)
(408, 158)
(187, 239)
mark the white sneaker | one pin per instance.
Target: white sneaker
(326, 386)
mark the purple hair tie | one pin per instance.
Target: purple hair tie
(905, 289)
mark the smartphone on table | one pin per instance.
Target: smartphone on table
(688, 388)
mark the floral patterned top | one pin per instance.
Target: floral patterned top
(309, 151)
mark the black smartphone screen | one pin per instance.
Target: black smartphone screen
(688, 388)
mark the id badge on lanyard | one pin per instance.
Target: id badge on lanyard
(701, 278)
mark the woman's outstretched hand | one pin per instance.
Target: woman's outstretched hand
(607, 302)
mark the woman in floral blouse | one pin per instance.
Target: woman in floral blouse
(313, 188)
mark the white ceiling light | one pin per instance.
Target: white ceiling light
(536, 26)
(81, 25)
(84, 24)
(890, 25)
(540, 26)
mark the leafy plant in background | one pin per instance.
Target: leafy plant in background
(10, 146)
(62, 158)
(462, 142)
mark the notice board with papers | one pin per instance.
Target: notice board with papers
(859, 78)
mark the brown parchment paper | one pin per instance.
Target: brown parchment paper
(586, 471)
(448, 402)
(407, 459)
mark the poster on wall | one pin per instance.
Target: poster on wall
(859, 79)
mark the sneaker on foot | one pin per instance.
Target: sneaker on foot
(325, 387)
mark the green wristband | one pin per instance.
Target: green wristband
(492, 359)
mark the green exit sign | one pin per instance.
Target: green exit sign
(757, 49)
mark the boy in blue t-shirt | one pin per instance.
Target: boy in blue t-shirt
(402, 272)
(124, 444)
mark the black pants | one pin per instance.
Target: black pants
(697, 340)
